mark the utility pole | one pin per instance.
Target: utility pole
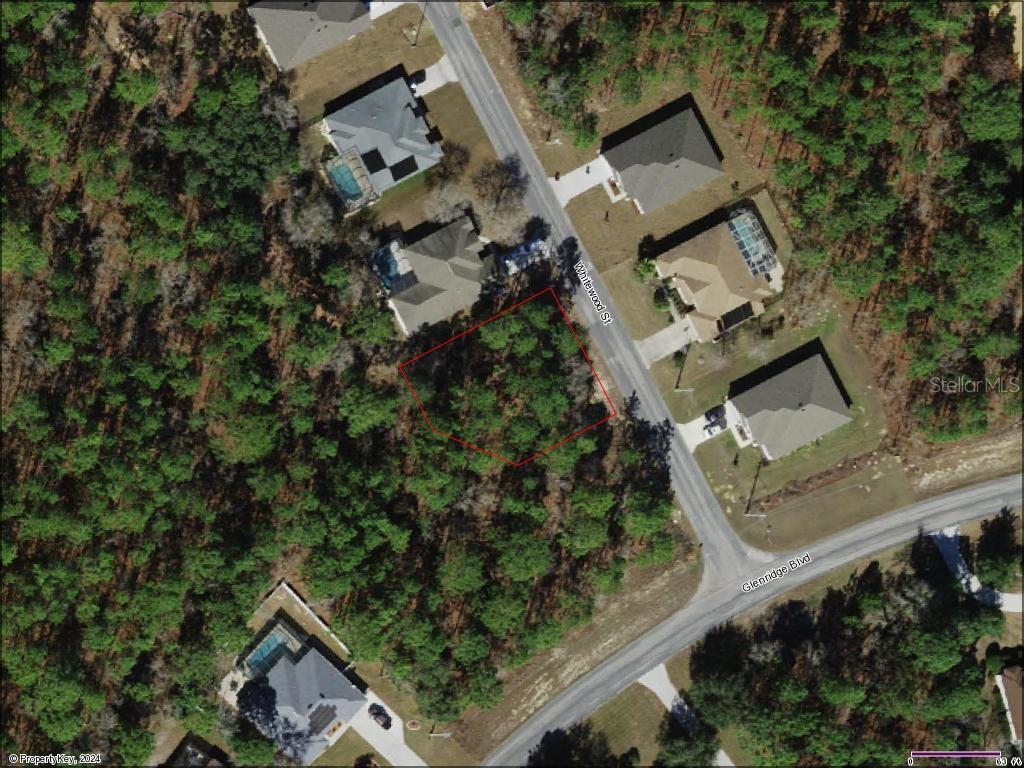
(757, 474)
(444, 735)
(680, 358)
(423, 5)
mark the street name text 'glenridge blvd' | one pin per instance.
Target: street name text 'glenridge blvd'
(777, 573)
(586, 282)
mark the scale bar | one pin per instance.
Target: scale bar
(969, 753)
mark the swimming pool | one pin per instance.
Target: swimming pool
(263, 658)
(344, 180)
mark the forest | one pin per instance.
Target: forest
(540, 392)
(895, 658)
(201, 392)
(893, 131)
(891, 659)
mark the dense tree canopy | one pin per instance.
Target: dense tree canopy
(201, 388)
(895, 132)
(888, 659)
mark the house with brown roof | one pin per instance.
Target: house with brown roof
(723, 273)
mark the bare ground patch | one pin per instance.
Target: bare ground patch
(647, 597)
(971, 461)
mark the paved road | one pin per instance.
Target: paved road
(726, 599)
(728, 562)
(722, 548)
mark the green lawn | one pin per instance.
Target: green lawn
(634, 717)
(631, 719)
(403, 204)
(634, 301)
(434, 750)
(710, 367)
(385, 45)
(869, 492)
(708, 371)
(346, 750)
(449, 110)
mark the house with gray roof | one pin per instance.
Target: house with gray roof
(434, 277)
(295, 695)
(662, 156)
(788, 403)
(295, 32)
(381, 139)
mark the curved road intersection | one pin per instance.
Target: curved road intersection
(728, 562)
(721, 598)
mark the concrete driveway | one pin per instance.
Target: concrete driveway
(389, 744)
(578, 181)
(379, 7)
(437, 75)
(669, 339)
(692, 432)
(946, 541)
(657, 680)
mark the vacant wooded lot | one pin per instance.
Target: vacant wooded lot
(540, 391)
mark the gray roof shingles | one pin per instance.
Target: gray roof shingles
(385, 120)
(666, 161)
(794, 407)
(449, 272)
(296, 32)
(307, 689)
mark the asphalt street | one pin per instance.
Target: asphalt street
(722, 548)
(726, 599)
(728, 562)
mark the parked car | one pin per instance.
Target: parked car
(712, 429)
(715, 414)
(380, 716)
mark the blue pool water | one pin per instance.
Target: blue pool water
(346, 183)
(385, 265)
(266, 654)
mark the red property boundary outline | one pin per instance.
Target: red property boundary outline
(564, 440)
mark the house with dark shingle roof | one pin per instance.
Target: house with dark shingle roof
(196, 752)
(312, 700)
(663, 156)
(788, 403)
(295, 32)
(432, 277)
(381, 138)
